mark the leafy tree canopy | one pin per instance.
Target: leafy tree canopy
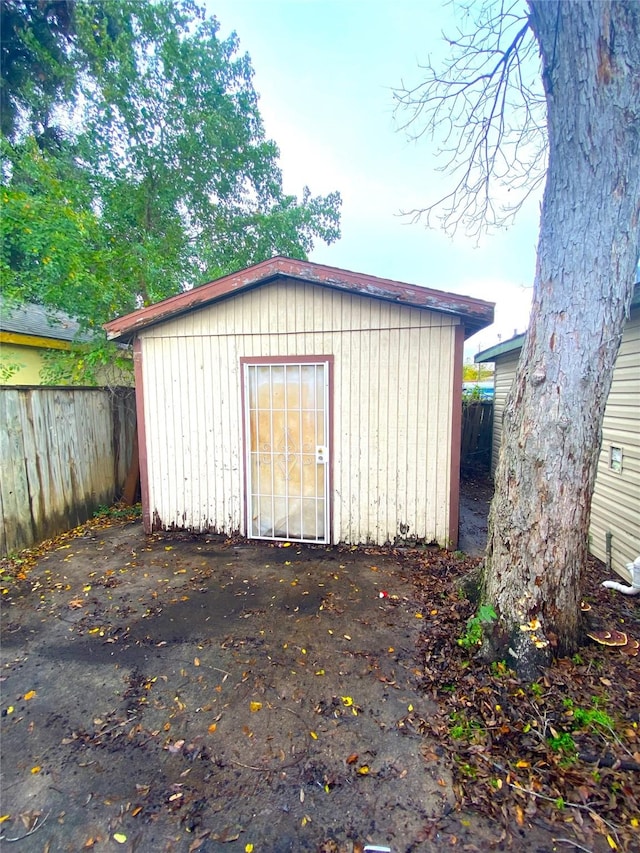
(476, 372)
(134, 158)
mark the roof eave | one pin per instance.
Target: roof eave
(503, 348)
(474, 313)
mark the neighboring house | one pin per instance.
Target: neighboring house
(26, 334)
(294, 401)
(615, 512)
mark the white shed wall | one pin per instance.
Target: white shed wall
(391, 409)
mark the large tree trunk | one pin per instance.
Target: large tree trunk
(587, 255)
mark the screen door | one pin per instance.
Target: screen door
(286, 411)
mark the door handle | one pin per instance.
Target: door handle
(321, 454)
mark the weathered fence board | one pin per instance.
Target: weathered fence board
(477, 423)
(65, 452)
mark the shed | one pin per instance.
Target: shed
(614, 535)
(300, 402)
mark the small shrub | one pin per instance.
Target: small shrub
(563, 743)
(472, 637)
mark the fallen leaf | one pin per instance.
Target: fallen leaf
(364, 770)
(196, 661)
(314, 735)
(120, 837)
(351, 759)
(213, 727)
(36, 769)
(255, 706)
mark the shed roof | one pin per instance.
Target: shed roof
(475, 313)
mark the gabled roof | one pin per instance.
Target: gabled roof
(36, 321)
(474, 313)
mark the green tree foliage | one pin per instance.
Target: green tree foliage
(134, 158)
(36, 72)
(476, 372)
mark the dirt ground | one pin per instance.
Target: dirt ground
(182, 693)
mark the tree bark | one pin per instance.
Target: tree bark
(587, 256)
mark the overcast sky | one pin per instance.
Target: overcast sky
(325, 71)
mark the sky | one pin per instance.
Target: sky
(325, 71)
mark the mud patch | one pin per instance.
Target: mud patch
(216, 693)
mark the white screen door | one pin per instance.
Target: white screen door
(287, 436)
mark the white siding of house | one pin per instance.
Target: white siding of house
(391, 409)
(505, 373)
(616, 500)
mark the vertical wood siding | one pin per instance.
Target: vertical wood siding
(616, 499)
(391, 409)
(65, 451)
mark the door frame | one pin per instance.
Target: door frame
(284, 360)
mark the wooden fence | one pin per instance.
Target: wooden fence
(65, 452)
(477, 427)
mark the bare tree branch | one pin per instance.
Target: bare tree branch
(487, 110)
